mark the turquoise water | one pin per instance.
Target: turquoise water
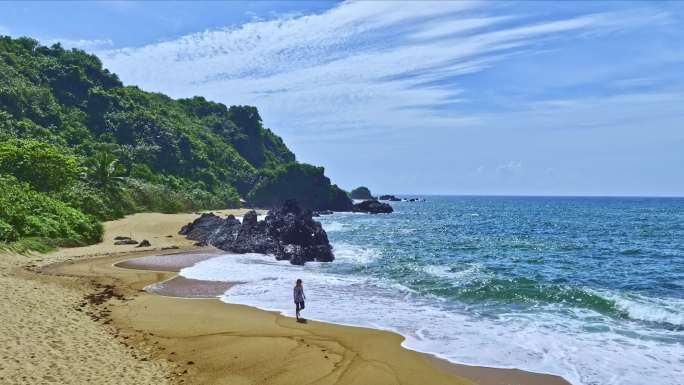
(588, 288)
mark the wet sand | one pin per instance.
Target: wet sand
(190, 288)
(171, 262)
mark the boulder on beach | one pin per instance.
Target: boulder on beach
(144, 243)
(202, 228)
(127, 241)
(288, 233)
(373, 206)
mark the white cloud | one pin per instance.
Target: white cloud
(83, 44)
(360, 68)
(513, 167)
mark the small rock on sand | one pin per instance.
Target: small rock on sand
(144, 243)
(126, 242)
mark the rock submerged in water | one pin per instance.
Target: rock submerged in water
(288, 232)
(373, 206)
(390, 198)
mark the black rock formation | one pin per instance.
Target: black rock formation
(373, 206)
(225, 235)
(322, 212)
(391, 198)
(144, 243)
(202, 228)
(287, 232)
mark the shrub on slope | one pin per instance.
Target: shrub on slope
(28, 213)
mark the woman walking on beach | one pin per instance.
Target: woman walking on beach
(299, 297)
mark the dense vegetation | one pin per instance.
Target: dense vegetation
(303, 182)
(361, 192)
(78, 145)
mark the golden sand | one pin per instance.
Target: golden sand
(72, 317)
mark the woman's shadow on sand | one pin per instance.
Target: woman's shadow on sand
(302, 320)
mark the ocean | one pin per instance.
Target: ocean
(591, 289)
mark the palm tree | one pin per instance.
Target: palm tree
(104, 170)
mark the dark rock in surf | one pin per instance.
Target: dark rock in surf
(252, 237)
(373, 206)
(300, 238)
(225, 235)
(288, 232)
(390, 198)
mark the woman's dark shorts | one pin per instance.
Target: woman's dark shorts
(300, 305)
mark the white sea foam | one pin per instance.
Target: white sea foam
(331, 227)
(458, 275)
(348, 253)
(259, 217)
(544, 341)
(670, 310)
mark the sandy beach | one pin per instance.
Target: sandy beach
(73, 317)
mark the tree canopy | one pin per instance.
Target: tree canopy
(361, 192)
(71, 130)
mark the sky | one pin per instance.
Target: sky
(493, 98)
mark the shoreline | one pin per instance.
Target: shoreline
(192, 340)
(474, 372)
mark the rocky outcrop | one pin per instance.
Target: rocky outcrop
(391, 198)
(288, 233)
(252, 237)
(202, 228)
(225, 235)
(373, 206)
(361, 193)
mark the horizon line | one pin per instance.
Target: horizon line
(533, 195)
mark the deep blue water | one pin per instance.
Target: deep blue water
(588, 288)
(529, 250)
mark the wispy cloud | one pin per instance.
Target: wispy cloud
(509, 168)
(366, 65)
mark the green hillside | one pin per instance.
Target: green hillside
(80, 141)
